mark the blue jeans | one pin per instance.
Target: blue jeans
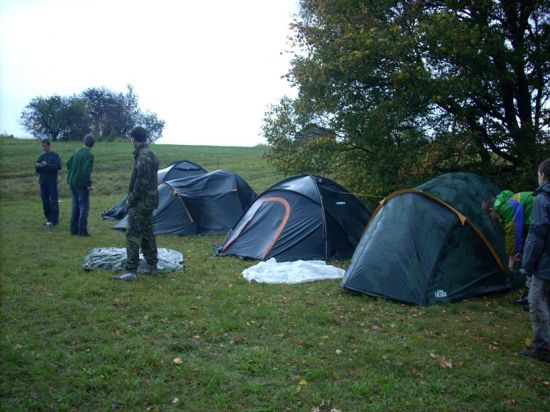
(50, 205)
(80, 209)
(539, 308)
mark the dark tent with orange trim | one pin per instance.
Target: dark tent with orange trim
(303, 217)
(176, 170)
(432, 244)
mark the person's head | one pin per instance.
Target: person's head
(138, 135)
(544, 172)
(489, 208)
(46, 145)
(89, 141)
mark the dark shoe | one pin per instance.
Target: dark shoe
(537, 353)
(85, 234)
(521, 300)
(127, 276)
(151, 270)
(49, 224)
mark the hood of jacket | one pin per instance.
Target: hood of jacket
(502, 198)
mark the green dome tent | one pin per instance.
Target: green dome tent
(431, 244)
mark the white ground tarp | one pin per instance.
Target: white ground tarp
(113, 258)
(292, 272)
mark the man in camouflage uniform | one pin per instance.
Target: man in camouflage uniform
(143, 198)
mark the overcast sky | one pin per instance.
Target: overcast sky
(209, 69)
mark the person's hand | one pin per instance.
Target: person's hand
(511, 263)
(44, 163)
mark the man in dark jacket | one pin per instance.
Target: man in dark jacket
(143, 198)
(79, 178)
(536, 266)
(47, 166)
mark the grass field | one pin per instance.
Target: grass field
(207, 340)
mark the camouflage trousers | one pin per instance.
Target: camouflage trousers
(139, 234)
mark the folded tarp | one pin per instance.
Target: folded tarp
(113, 259)
(292, 272)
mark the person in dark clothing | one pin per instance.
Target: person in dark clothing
(536, 266)
(79, 178)
(143, 198)
(47, 166)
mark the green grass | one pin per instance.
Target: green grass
(77, 341)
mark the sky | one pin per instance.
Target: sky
(209, 69)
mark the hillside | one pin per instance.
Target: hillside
(207, 340)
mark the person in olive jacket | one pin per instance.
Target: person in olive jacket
(47, 166)
(536, 266)
(79, 178)
(143, 198)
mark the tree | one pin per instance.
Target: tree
(98, 110)
(113, 114)
(56, 117)
(152, 124)
(414, 88)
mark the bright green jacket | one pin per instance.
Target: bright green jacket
(80, 167)
(514, 212)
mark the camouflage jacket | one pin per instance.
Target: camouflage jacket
(143, 191)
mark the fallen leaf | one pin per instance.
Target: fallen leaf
(302, 382)
(445, 362)
(338, 351)
(178, 361)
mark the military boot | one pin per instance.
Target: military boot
(151, 270)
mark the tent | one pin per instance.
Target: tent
(303, 217)
(176, 170)
(431, 244)
(208, 203)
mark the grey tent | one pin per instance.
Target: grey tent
(208, 203)
(176, 170)
(303, 217)
(431, 244)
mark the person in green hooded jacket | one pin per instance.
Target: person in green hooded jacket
(513, 211)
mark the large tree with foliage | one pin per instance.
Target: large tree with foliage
(405, 90)
(56, 117)
(113, 114)
(104, 113)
